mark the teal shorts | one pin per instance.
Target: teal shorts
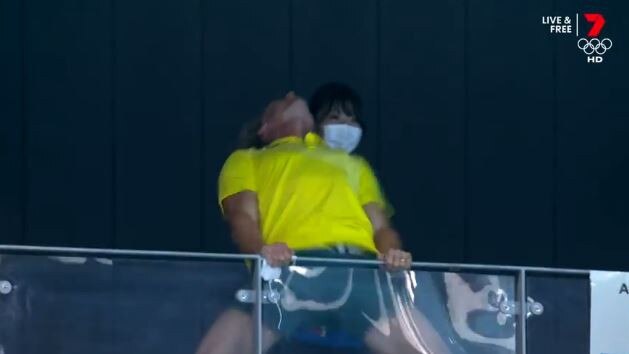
(333, 299)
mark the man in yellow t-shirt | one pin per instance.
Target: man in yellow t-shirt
(310, 196)
(296, 195)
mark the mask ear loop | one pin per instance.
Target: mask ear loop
(275, 295)
(275, 298)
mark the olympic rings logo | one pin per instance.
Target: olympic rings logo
(594, 45)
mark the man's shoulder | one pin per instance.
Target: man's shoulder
(239, 159)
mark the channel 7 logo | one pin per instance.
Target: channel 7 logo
(592, 45)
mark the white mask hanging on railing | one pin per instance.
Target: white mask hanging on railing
(342, 136)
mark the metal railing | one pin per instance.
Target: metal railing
(520, 271)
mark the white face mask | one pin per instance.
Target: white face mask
(342, 136)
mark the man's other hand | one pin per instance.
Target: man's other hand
(277, 254)
(395, 259)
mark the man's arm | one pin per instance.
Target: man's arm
(241, 212)
(387, 240)
(385, 236)
(243, 216)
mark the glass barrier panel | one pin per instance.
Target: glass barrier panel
(561, 323)
(78, 305)
(322, 307)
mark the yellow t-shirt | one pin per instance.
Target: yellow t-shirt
(309, 196)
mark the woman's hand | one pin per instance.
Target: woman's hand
(395, 259)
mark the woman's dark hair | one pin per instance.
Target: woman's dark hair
(248, 137)
(333, 96)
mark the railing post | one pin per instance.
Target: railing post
(258, 306)
(522, 300)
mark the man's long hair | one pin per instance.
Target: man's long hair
(248, 137)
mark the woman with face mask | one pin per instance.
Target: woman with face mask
(337, 109)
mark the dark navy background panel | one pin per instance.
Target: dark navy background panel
(157, 106)
(422, 123)
(509, 155)
(12, 184)
(67, 122)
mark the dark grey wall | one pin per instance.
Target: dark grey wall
(495, 141)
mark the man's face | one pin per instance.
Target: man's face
(281, 114)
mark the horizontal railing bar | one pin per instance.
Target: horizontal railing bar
(219, 256)
(502, 268)
(119, 252)
(449, 266)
